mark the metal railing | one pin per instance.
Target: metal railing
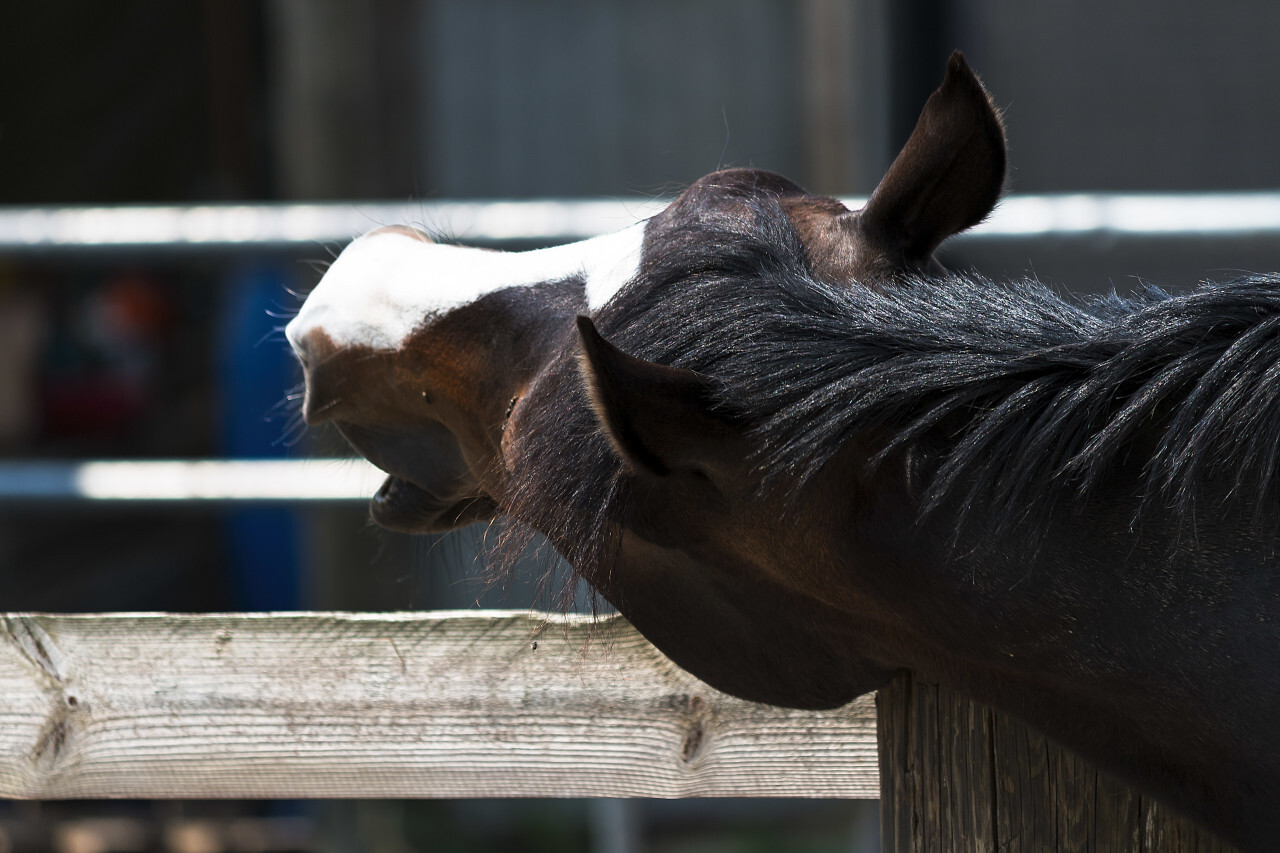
(240, 226)
(187, 480)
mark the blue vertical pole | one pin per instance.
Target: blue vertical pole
(256, 370)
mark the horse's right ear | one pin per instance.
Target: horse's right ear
(947, 177)
(659, 419)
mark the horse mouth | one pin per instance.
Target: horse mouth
(403, 507)
(429, 487)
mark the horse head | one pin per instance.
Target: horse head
(481, 382)
(416, 350)
(462, 374)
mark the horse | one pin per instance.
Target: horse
(800, 456)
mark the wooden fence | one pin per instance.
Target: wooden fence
(516, 704)
(469, 704)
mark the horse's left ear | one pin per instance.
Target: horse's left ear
(947, 177)
(660, 420)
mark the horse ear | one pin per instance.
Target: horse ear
(659, 419)
(947, 177)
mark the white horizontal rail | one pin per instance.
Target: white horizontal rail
(474, 704)
(230, 226)
(1149, 215)
(193, 481)
(284, 225)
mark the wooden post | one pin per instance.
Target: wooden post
(958, 776)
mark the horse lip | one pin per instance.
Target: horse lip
(426, 455)
(404, 507)
(429, 489)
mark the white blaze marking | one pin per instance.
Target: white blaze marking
(388, 284)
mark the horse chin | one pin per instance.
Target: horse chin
(402, 507)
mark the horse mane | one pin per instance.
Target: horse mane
(1016, 395)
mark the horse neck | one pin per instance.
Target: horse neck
(1154, 661)
(1151, 649)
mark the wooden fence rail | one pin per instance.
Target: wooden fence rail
(474, 704)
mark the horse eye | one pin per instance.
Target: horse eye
(426, 398)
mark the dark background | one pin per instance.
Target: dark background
(129, 354)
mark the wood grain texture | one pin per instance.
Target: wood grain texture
(476, 704)
(958, 776)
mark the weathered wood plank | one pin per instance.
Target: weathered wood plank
(936, 770)
(898, 783)
(477, 704)
(959, 776)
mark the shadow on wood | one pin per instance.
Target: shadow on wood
(959, 776)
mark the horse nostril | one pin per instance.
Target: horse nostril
(324, 376)
(323, 395)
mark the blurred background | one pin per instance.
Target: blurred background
(156, 352)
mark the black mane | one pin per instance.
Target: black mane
(1015, 394)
